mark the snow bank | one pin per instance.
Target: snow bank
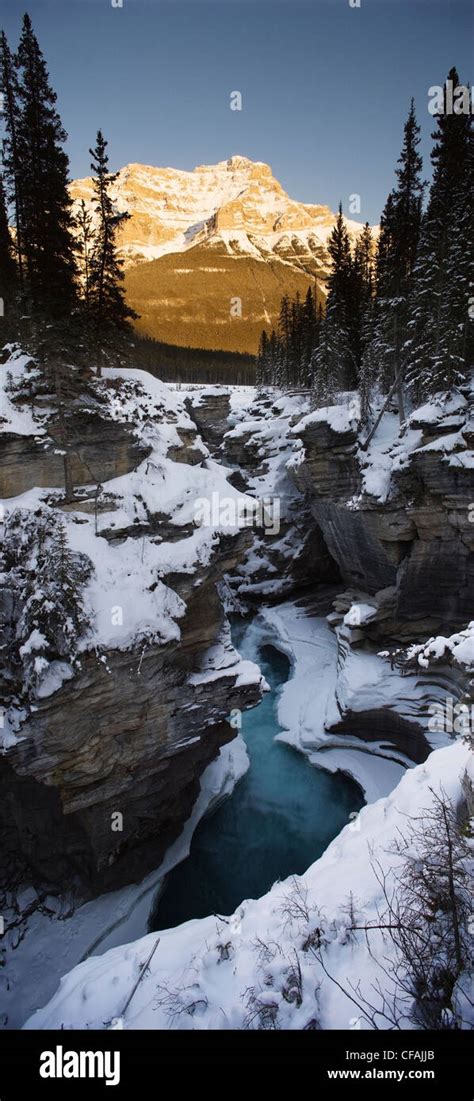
(321, 688)
(340, 418)
(221, 973)
(17, 417)
(127, 599)
(459, 647)
(51, 944)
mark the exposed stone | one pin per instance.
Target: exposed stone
(98, 450)
(210, 412)
(132, 736)
(414, 551)
(188, 450)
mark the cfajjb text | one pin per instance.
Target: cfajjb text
(81, 1064)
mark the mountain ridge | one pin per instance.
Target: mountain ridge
(245, 240)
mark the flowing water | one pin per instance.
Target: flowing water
(280, 818)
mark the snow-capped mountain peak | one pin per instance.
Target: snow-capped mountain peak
(171, 209)
(243, 236)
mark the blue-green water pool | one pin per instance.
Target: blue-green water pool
(280, 818)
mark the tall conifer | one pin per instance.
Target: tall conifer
(7, 264)
(439, 341)
(45, 215)
(9, 87)
(396, 255)
(106, 293)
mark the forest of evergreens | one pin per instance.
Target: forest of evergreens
(398, 314)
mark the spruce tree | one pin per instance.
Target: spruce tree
(439, 328)
(41, 168)
(383, 364)
(453, 352)
(296, 346)
(9, 87)
(86, 245)
(261, 377)
(333, 364)
(7, 263)
(309, 335)
(275, 359)
(361, 293)
(107, 297)
(284, 339)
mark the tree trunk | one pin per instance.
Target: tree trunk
(398, 373)
(68, 481)
(373, 430)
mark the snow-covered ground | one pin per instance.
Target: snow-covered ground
(288, 956)
(127, 601)
(305, 707)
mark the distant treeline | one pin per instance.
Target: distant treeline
(174, 364)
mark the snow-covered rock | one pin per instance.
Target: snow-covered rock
(396, 514)
(125, 723)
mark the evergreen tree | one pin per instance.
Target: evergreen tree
(261, 376)
(9, 87)
(46, 578)
(310, 325)
(107, 297)
(396, 255)
(296, 345)
(274, 359)
(86, 245)
(340, 252)
(453, 351)
(407, 206)
(333, 364)
(7, 263)
(284, 335)
(41, 170)
(360, 296)
(439, 329)
(284, 358)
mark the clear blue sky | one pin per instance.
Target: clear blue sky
(326, 87)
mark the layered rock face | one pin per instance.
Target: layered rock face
(210, 410)
(288, 553)
(396, 518)
(369, 532)
(101, 764)
(128, 736)
(98, 449)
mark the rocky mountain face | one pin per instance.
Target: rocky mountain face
(197, 242)
(396, 520)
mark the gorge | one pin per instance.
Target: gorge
(373, 555)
